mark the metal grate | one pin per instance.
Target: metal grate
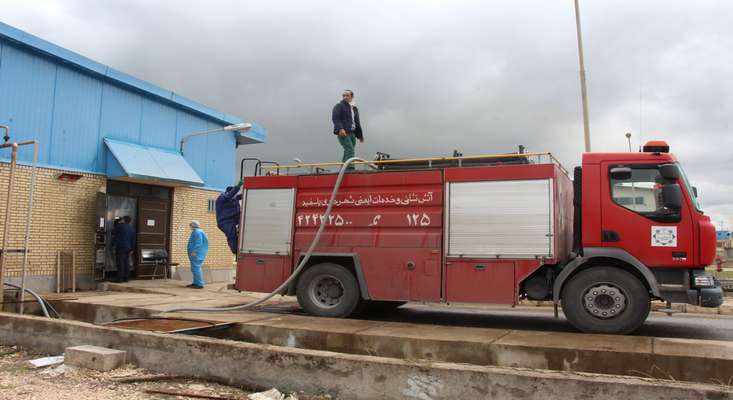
(65, 271)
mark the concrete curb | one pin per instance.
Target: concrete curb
(690, 360)
(345, 376)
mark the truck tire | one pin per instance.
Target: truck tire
(328, 290)
(605, 300)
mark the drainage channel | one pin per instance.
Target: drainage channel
(701, 361)
(171, 325)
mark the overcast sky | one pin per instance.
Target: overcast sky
(431, 76)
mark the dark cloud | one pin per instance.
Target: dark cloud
(431, 76)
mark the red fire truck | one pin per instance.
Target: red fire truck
(627, 229)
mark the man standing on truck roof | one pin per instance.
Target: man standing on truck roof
(198, 247)
(346, 124)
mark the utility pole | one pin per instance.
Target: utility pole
(583, 91)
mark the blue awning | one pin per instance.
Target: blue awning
(139, 162)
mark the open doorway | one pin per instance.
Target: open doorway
(148, 207)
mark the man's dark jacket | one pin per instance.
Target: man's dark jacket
(341, 117)
(124, 236)
(227, 215)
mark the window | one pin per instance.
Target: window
(212, 206)
(642, 193)
(625, 201)
(688, 187)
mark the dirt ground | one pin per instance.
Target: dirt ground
(20, 380)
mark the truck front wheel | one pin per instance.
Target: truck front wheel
(605, 300)
(328, 290)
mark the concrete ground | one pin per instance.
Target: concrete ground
(462, 333)
(161, 295)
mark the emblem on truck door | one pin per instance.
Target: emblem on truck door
(664, 236)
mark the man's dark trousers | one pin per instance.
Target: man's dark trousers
(122, 261)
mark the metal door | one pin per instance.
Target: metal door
(152, 225)
(634, 218)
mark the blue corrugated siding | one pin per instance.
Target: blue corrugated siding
(219, 171)
(120, 119)
(75, 130)
(70, 112)
(26, 98)
(158, 125)
(121, 113)
(195, 148)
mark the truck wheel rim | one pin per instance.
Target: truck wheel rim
(326, 291)
(604, 301)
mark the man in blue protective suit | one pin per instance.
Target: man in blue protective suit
(198, 247)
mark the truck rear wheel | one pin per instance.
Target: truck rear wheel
(605, 300)
(328, 290)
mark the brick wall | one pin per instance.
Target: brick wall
(63, 219)
(190, 203)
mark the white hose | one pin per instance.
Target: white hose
(303, 262)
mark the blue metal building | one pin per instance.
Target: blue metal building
(92, 118)
(109, 139)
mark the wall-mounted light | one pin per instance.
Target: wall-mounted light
(241, 127)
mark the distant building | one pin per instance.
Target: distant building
(109, 147)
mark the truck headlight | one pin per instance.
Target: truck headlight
(704, 281)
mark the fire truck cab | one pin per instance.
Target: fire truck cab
(626, 230)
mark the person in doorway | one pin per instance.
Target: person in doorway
(198, 247)
(124, 242)
(346, 124)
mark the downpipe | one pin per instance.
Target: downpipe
(303, 262)
(8, 207)
(29, 218)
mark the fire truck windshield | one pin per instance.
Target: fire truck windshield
(689, 188)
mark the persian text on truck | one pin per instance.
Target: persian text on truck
(625, 230)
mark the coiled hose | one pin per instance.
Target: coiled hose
(303, 262)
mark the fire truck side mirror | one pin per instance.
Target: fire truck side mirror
(669, 172)
(694, 191)
(621, 173)
(672, 196)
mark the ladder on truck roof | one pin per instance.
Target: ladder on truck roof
(387, 164)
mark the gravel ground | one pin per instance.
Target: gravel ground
(20, 380)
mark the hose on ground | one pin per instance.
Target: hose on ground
(39, 299)
(303, 262)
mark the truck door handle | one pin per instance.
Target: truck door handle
(260, 261)
(480, 267)
(609, 236)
